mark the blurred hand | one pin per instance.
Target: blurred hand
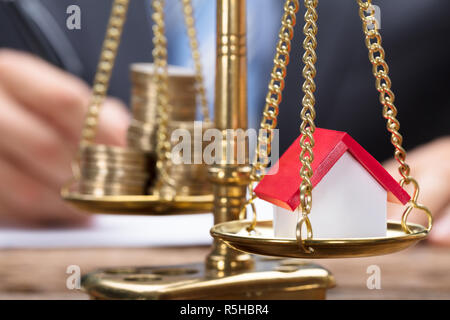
(41, 116)
(430, 166)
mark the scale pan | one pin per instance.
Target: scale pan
(263, 242)
(139, 205)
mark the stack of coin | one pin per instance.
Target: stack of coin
(106, 170)
(188, 170)
(182, 95)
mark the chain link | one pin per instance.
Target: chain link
(188, 11)
(275, 89)
(104, 69)
(101, 81)
(383, 84)
(308, 114)
(164, 185)
(272, 102)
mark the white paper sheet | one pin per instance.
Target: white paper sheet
(123, 231)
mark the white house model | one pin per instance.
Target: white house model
(349, 189)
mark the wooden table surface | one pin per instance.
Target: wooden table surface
(422, 272)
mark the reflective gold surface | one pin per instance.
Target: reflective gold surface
(139, 205)
(142, 132)
(269, 279)
(262, 241)
(106, 170)
(187, 171)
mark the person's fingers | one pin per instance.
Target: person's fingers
(395, 212)
(36, 147)
(440, 234)
(43, 111)
(113, 123)
(58, 97)
(430, 166)
(433, 195)
(27, 201)
(53, 94)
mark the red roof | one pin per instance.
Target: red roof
(282, 188)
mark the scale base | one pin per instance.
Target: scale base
(269, 279)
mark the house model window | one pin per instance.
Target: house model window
(349, 189)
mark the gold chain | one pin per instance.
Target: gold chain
(161, 79)
(380, 70)
(275, 89)
(101, 81)
(308, 114)
(104, 69)
(190, 25)
(273, 100)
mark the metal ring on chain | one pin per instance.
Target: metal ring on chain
(252, 226)
(414, 205)
(304, 220)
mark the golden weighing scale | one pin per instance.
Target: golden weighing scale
(230, 270)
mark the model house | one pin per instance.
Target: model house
(349, 192)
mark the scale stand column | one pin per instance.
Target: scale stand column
(230, 178)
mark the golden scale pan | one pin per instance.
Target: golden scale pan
(139, 205)
(261, 240)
